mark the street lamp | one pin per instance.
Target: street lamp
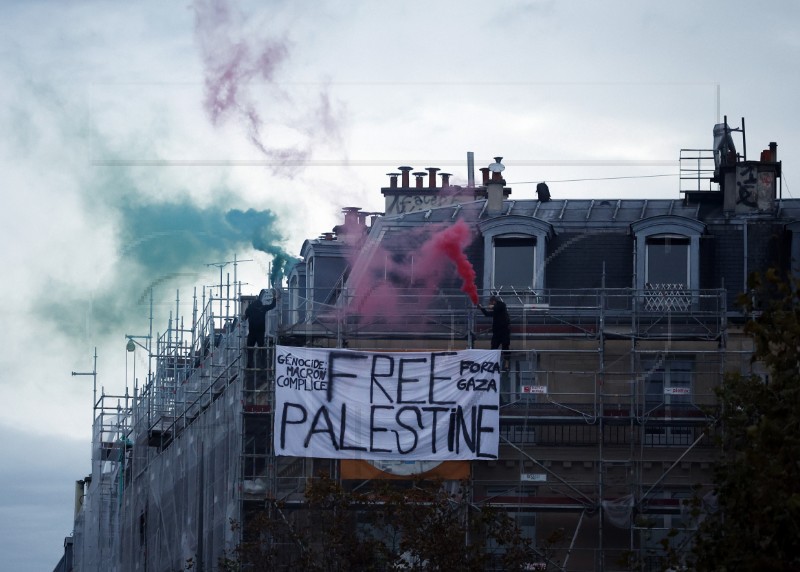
(130, 347)
(132, 343)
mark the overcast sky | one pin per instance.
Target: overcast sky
(142, 142)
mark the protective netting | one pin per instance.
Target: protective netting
(166, 484)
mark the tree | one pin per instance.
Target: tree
(757, 479)
(408, 526)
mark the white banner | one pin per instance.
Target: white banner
(412, 406)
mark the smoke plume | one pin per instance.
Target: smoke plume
(161, 246)
(450, 243)
(392, 281)
(240, 70)
(259, 225)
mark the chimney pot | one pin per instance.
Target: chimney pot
(419, 175)
(405, 171)
(445, 179)
(351, 215)
(393, 179)
(485, 172)
(773, 150)
(432, 177)
(496, 169)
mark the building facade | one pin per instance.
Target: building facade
(624, 319)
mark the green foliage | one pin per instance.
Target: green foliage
(757, 480)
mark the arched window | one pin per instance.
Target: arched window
(514, 253)
(667, 261)
(514, 262)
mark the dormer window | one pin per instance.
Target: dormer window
(668, 261)
(667, 264)
(514, 250)
(514, 263)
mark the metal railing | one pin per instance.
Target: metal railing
(697, 167)
(451, 316)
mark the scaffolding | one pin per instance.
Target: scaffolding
(604, 422)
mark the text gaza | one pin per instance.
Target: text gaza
(478, 383)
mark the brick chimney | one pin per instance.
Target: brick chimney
(494, 187)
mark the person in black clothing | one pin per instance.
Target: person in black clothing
(256, 316)
(501, 324)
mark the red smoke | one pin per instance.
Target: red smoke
(381, 284)
(241, 72)
(451, 243)
(233, 64)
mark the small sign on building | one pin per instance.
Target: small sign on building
(677, 390)
(533, 477)
(534, 389)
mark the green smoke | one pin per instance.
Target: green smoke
(259, 226)
(160, 245)
(164, 239)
